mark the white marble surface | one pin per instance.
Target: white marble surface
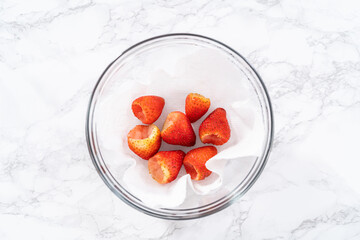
(53, 51)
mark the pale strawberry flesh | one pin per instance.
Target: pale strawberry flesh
(212, 138)
(138, 112)
(156, 171)
(190, 169)
(141, 132)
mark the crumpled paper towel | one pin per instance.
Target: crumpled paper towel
(218, 80)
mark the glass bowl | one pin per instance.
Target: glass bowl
(162, 52)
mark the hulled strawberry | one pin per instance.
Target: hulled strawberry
(144, 141)
(165, 166)
(177, 130)
(215, 128)
(196, 105)
(148, 108)
(194, 162)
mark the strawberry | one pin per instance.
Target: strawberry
(148, 108)
(194, 162)
(165, 166)
(215, 128)
(144, 141)
(196, 106)
(177, 130)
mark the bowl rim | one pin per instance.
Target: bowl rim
(196, 214)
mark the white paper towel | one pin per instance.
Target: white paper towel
(218, 80)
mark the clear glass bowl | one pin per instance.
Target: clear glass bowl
(135, 62)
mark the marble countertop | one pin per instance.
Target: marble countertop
(52, 53)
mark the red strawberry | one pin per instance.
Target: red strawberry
(177, 130)
(144, 141)
(215, 128)
(194, 162)
(148, 108)
(165, 166)
(196, 106)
